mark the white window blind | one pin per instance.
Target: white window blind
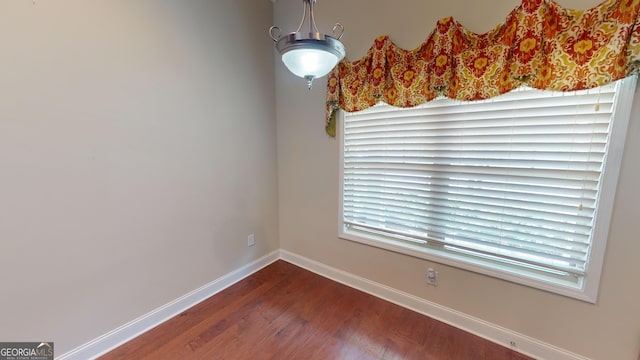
(514, 180)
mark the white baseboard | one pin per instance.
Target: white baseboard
(124, 333)
(494, 333)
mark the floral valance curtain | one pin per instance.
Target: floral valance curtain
(541, 44)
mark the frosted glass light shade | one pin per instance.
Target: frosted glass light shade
(310, 63)
(310, 55)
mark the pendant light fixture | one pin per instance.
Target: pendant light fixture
(309, 54)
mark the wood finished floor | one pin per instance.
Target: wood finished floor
(285, 312)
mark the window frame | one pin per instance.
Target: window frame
(586, 289)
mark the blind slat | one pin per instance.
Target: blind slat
(470, 216)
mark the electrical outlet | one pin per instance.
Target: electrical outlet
(432, 277)
(251, 240)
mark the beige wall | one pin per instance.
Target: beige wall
(308, 184)
(137, 152)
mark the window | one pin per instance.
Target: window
(519, 187)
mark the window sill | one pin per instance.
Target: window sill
(517, 275)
